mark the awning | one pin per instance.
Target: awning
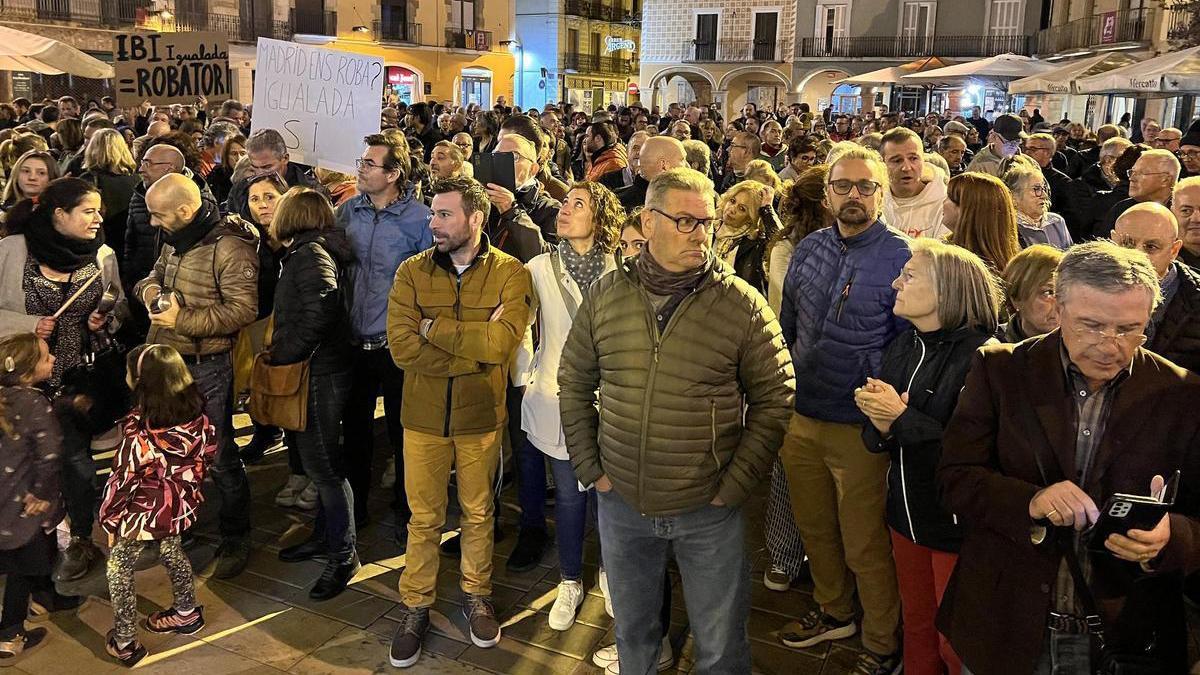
(25, 51)
(994, 71)
(1174, 73)
(894, 74)
(1062, 79)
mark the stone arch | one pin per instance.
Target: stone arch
(754, 70)
(689, 73)
(817, 71)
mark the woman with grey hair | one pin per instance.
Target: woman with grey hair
(1031, 197)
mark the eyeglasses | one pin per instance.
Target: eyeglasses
(1094, 336)
(686, 224)
(866, 188)
(738, 145)
(1039, 190)
(367, 164)
(1190, 153)
(1140, 174)
(1160, 139)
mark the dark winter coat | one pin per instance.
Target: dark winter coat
(310, 303)
(142, 240)
(1177, 336)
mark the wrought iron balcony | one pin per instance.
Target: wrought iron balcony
(235, 27)
(885, 47)
(398, 31)
(734, 50)
(128, 14)
(1109, 28)
(594, 63)
(477, 40)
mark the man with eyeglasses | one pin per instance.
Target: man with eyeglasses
(744, 149)
(837, 318)
(1167, 139)
(678, 346)
(1045, 432)
(1067, 197)
(1174, 328)
(1189, 155)
(268, 153)
(386, 225)
(1151, 179)
(1185, 204)
(1003, 141)
(1100, 174)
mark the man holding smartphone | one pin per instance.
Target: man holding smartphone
(1045, 432)
(1003, 141)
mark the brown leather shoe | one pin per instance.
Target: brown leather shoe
(481, 615)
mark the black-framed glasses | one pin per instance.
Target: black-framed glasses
(866, 188)
(1039, 190)
(686, 224)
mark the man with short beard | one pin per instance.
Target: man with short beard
(837, 318)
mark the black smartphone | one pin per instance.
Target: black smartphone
(1123, 512)
(498, 168)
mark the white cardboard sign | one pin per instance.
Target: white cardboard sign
(323, 101)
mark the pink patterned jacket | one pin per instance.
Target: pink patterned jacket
(154, 489)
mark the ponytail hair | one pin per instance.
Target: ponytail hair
(19, 355)
(63, 193)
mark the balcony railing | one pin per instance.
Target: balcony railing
(127, 14)
(594, 9)
(594, 63)
(477, 40)
(313, 23)
(913, 47)
(398, 31)
(1126, 26)
(733, 50)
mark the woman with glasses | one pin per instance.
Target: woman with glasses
(952, 300)
(30, 176)
(981, 218)
(1031, 197)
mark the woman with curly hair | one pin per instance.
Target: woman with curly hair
(589, 228)
(802, 211)
(980, 215)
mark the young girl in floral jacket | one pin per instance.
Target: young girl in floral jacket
(30, 503)
(153, 493)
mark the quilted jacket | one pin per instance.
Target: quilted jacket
(837, 315)
(670, 432)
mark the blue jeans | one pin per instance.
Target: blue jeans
(1065, 654)
(214, 377)
(531, 479)
(570, 518)
(709, 547)
(324, 464)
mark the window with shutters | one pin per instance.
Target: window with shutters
(706, 37)
(1005, 17)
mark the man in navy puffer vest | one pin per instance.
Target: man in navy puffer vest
(837, 318)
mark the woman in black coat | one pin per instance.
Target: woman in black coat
(953, 302)
(310, 323)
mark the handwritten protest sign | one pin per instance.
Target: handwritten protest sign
(323, 101)
(171, 67)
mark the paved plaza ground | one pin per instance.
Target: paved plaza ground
(263, 621)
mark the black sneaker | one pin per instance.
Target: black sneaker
(481, 617)
(129, 655)
(406, 643)
(334, 578)
(531, 545)
(452, 547)
(814, 628)
(873, 664)
(312, 549)
(77, 560)
(232, 557)
(265, 439)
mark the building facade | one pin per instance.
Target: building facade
(454, 51)
(581, 51)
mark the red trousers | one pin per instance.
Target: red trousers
(922, 574)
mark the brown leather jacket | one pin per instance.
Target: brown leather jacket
(217, 280)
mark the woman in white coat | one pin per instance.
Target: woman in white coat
(589, 226)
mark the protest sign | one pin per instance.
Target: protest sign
(171, 68)
(323, 101)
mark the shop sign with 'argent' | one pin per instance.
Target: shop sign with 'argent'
(165, 68)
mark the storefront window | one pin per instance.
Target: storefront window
(401, 85)
(476, 87)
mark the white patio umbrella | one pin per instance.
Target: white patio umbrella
(894, 74)
(25, 51)
(996, 71)
(1062, 79)
(1177, 72)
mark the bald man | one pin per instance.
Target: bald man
(658, 154)
(1174, 328)
(1185, 204)
(200, 293)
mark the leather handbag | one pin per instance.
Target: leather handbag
(279, 394)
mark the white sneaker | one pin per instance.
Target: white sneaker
(287, 496)
(605, 656)
(570, 597)
(307, 499)
(604, 591)
(388, 480)
(666, 658)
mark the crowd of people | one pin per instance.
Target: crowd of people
(937, 346)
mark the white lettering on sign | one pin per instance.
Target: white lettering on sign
(612, 43)
(323, 101)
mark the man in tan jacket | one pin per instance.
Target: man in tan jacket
(203, 290)
(455, 316)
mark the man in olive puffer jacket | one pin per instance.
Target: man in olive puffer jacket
(676, 344)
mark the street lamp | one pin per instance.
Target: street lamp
(515, 47)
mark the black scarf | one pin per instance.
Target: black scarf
(59, 252)
(205, 220)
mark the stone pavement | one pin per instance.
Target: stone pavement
(264, 622)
